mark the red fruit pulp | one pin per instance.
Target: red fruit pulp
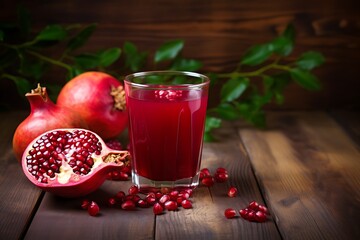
(166, 134)
(70, 162)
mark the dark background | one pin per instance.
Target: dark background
(217, 33)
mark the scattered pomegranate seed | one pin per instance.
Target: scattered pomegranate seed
(230, 213)
(93, 209)
(221, 177)
(133, 190)
(254, 212)
(221, 170)
(205, 171)
(260, 216)
(128, 205)
(164, 199)
(208, 181)
(112, 202)
(253, 205)
(157, 209)
(243, 212)
(85, 204)
(173, 195)
(120, 196)
(263, 209)
(232, 192)
(142, 203)
(171, 205)
(187, 204)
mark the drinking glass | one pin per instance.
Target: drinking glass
(167, 112)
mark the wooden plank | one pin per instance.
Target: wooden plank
(349, 120)
(60, 218)
(18, 197)
(206, 220)
(309, 170)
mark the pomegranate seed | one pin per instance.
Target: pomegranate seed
(158, 195)
(253, 205)
(260, 216)
(221, 170)
(111, 202)
(150, 200)
(184, 195)
(230, 213)
(85, 204)
(133, 190)
(205, 171)
(171, 205)
(189, 191)
(187, 204)
(263, 209)
(232, 192)
(128, 205)
(243, 213)
(173, 195)
(142, 203)
(93, 209)
(179, 200)
(157, 209)
(45, 158)
(221, 177)
(165, 190)
(208, 181)
(164, 199)
(120, 196)
(114, 144)
(250, 216)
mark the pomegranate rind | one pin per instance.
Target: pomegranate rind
(74, 185)
(96, 97)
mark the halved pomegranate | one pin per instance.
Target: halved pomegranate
(70, 162)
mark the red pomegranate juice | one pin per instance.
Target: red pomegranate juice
(166, 132)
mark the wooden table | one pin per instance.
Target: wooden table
(305, 167)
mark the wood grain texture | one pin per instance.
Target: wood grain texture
(59, 218)
(18, 197)
(309, 170)
(218, 32)
(206, 220)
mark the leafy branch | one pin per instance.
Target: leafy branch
(260, 77)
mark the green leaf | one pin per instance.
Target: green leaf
(227, 111)
(81, 38)
(133, 58)
(52, 33)
(310, 60)
(257, 54)
(22, 85)
(53, 90)
(233, 88)
(168, 50)
(290, 33)
(74, 71)
(305, 79)
(109, 56)
(210, 124)
(282, 45)
(87, 60)
(181, 64)
(258, 118)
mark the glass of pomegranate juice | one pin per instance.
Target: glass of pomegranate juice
(166, 125)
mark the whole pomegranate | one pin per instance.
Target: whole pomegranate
(99, 99)
(70, 162)
(44, 116)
